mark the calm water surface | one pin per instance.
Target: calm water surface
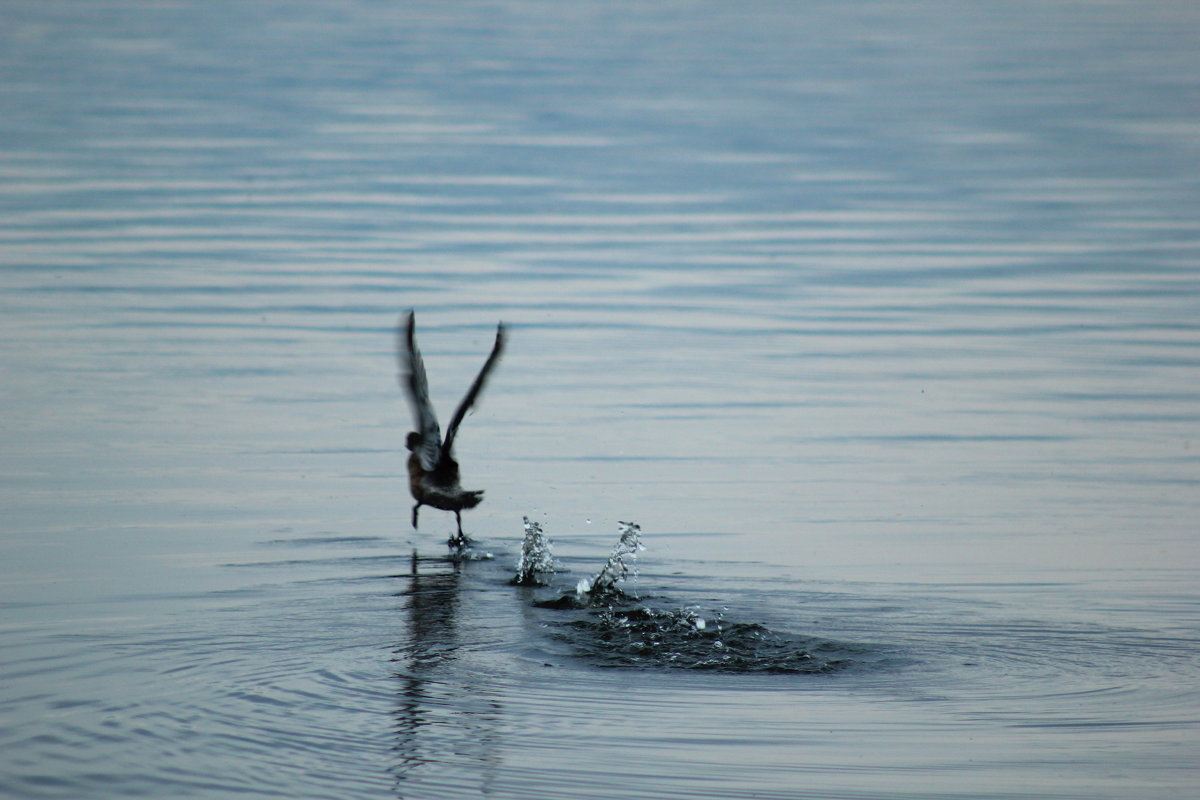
(882, 319)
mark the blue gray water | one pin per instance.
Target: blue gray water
(882, 319)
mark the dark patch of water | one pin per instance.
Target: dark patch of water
(616, 630)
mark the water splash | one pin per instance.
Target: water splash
(620, 566)
(537, 557)
(467, 552)
(613, 628)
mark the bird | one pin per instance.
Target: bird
(433, 476)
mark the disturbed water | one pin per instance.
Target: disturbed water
(880, 319)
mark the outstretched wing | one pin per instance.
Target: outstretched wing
(416, 386)
(476, 387)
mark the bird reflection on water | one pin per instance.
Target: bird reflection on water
(440, 727)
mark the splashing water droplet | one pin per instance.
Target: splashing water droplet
(537, 556)
(621, 564)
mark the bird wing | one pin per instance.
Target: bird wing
(476, 388)
(416, 386)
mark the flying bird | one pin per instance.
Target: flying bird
(432, 471)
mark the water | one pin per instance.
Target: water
(879, 318)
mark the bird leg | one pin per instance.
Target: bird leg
(414, 516)
(458, 540)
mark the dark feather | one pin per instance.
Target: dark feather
(416, 386)
(473, 393)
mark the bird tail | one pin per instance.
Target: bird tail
(472, 499)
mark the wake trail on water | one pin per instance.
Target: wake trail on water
(605, 622)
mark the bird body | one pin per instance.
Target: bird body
(433, 475)
(439, 488)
